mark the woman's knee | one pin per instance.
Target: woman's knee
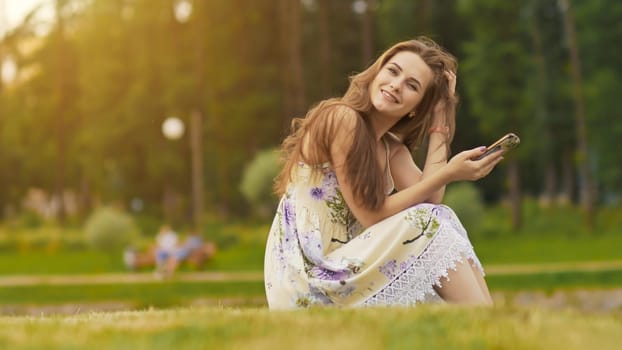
(462, 286)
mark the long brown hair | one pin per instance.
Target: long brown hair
(322, 122)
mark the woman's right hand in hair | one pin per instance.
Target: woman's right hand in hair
(464, 166)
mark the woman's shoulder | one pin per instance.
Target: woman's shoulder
(337, 108)
(394, 141)
(336, 115)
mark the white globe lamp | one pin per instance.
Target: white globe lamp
(173, 128)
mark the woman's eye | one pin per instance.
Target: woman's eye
(392, 70)
(412, 86)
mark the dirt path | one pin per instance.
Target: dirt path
(251, 276)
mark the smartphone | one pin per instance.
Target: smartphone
(507, 142)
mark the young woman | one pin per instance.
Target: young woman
(358, 222)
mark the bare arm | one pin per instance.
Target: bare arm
(405, 169)
(436, 159)
(461, 167)
(438, 147)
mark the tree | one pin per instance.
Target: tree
(495, 79)
(585, 184)
(290, 40)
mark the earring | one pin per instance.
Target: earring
(411, 114)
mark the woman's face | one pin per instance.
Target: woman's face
(400, 84)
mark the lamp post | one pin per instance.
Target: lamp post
(183, 11)
(173, 129)
(196, 149)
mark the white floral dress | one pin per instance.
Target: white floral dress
(318, 254)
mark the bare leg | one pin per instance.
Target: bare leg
(481, 281)
(462, 287)
(171, 265)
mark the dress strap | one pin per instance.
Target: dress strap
(390, 185)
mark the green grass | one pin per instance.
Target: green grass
(557, 280)
(79, 262)
(159, 293)
(179, 293)
(248, 255)
(236, 258)
(424, 327)
(529, 249)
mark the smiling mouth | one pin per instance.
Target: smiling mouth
(387, 95)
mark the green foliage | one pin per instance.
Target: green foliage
(109, 230)
(87, 111)
(46, 239)
(258, 180)
(465, 200)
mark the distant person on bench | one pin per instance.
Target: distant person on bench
(166, 247)
(194, 250)
(167, 254)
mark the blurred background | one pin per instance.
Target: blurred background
(168, 112)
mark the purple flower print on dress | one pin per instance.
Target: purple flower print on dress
(311, 245)
(325, 274)
(288, 213)
(345, 290)
(329, 184)
(388, 269)
(317, 193)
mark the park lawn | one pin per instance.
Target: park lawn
(182, 293)
(156, 294)
(242, 257)
(533, 249)
(248, 255)
(424, 327)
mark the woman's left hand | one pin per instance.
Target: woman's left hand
(449, 96)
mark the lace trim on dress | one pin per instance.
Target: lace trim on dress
(416, 283)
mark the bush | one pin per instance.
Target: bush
(257, 182)
(109, 230)
(465, 200)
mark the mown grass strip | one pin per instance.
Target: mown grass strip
(424, 327)
(556, 280)
(152, 294)
(177, 292)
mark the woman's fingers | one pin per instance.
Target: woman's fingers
(488, 163)
(468, 167)
(493, 163)
(474, 153)
(474, 168)
(451, 79)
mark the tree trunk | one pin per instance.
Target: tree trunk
(567, 192)
(545, 156)
(515, 194)
(586, 187)
(196, 125)
(61, 110)
(324, 48)
(423, 16)
(196, 147)
(293, 84)
(550, 185)
(367, 34)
